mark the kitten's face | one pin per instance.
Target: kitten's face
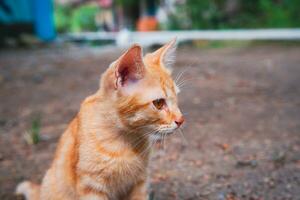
(152, 103)
(146, 95)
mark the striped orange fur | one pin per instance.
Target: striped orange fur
(104, 152)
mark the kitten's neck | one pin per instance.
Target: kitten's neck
(124, 139)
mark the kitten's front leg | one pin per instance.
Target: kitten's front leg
(139, 191)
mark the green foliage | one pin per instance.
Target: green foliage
(77, 19)
(33, 135)
(62, 18)
(284, 13)
(214, 14)
(193, 14)
(83, 18)
(126, 2)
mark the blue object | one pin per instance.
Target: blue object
(15, 11)
(43, 19)
(39, 13)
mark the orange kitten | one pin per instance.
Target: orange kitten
(104, 152)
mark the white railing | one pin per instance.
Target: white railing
(125, 38)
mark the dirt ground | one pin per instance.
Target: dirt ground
(242, 130)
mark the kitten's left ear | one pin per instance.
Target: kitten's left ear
(164, 56)
(129, 67)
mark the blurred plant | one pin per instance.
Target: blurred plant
(62, 17)
(220, 14)
(126, 2)
(191, 14)
(33, 135)
(284, 13)
(81, 18)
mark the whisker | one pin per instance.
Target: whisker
(183, 82)
(164, 141)
(151, 143)
(180, 74)
(141, 137)
(138, 137)
(185, 113)
(182, 135)
(148, 148)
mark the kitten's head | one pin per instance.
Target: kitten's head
(142, 91)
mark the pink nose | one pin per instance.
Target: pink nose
(179, 121)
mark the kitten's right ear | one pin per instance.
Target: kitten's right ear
(164, 56)
(129, 67)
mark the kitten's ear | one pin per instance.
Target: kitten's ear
(164, 56)
(129, 67)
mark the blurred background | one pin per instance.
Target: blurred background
(49, 19)
(237, 62)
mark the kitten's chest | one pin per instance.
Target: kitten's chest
(125, 171)
(122, 175)
(115, 173)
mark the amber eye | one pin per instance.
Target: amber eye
(159, 103)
